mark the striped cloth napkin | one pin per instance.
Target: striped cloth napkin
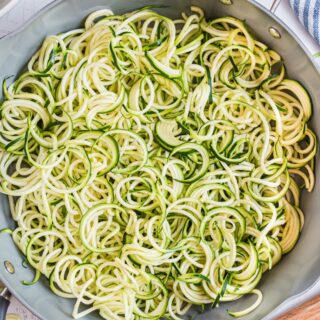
(308, 12)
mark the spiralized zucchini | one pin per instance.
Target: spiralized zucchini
(155, 164)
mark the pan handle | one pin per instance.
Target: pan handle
(274, 6)
(4, 302)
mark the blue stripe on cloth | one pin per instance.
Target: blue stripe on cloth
(311, 18)
(316, 18)
(296, 7)
(306, 13)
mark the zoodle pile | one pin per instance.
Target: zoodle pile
(155, 164)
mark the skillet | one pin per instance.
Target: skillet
(296, 272)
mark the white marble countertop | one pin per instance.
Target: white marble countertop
(25, 9)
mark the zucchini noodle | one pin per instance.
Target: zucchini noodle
(155, 164)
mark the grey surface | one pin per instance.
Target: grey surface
(297, 272)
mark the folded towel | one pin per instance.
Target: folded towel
(308, 12)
